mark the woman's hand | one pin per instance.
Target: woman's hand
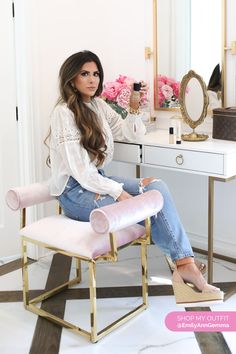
(124, 195)
(144, 88)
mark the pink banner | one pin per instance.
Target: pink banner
(201, 321)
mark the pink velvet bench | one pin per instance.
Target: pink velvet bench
(110, 228)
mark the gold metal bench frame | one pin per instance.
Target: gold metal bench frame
(112, 256)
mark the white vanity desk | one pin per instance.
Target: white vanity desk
(213, 158)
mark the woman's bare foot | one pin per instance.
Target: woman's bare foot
(190, 273)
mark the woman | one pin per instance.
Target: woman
(83, 127)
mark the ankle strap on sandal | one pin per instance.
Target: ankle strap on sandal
(183, 261)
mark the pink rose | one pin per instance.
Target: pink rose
(167, 91)
(143, 100)
(163, 79)
(170, 81)
(123, 97)
(161, 99)
(129, 81)
(176, 88)
(160, 84)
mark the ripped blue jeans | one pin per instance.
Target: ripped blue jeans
(166, 229)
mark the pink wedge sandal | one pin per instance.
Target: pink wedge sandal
(187, 295)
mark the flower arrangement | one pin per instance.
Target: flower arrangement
(168, 92)
(117, 94)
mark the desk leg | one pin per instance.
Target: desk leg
(210, 227)
(138, 174)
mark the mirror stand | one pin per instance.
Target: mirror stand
(194, 101)
(194, 136)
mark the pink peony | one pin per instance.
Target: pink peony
(125, 80)
(111, 90)
(166, 80)
(121, 79)
(163, 79)
(117, 94)
(168, 88)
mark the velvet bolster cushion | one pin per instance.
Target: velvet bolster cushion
(106, 219)
(22, 197)
(117, 216)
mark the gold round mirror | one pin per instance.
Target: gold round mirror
(193, 101)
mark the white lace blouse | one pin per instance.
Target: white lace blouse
(69, 158)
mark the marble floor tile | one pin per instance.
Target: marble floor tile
(127, 271)
(146, 333)
(38, 273)
(229, 305)
(16, 328)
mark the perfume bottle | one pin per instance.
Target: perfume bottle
(171, 135)
(178, 131)
(135, 96)
(177, 122)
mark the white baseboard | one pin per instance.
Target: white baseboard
(5, 260)
(225, 247)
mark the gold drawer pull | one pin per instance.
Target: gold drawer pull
(179, 159)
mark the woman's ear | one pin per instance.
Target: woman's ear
(73, 86)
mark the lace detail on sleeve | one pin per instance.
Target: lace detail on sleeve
(67, 134)
(63, 126)
(110, 116)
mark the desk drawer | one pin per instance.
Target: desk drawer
(203, 162)
(127, 152)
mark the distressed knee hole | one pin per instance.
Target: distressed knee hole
(144, 182)
(97, 198)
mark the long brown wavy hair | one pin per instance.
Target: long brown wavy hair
(92, 138)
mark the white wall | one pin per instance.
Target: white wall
(116, 32)
(231, 59)
(9, 164)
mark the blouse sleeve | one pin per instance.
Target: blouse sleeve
(75, 158)
(131, 128)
